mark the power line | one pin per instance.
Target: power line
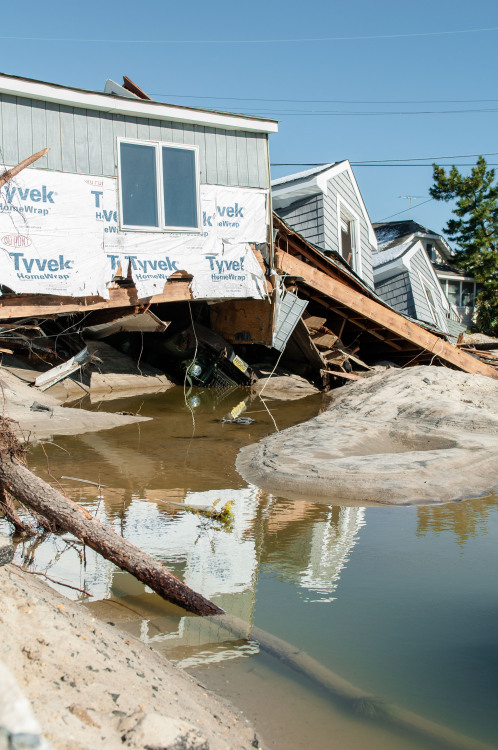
(327, 101)
(379, 164)
(250, 41)
(405, 210)
(338, 113)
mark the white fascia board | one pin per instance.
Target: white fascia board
(345, 166)
(132, 107)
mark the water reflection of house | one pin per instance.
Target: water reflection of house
(310, 544)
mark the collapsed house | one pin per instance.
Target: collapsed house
(150, 226)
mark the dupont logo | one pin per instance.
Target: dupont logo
(95, 183)
(16, 240)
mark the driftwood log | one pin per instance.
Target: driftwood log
(17, 480)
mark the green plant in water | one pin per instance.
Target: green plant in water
(224, 516)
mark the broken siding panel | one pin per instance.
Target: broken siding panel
(10, 148)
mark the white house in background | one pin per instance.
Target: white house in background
(411, 274)
(325, 206)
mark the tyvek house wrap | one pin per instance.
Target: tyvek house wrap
(59, 234)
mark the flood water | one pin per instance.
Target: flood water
(400, 602)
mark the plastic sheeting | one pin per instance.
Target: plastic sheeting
(60, 235)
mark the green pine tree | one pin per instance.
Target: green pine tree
(475, 230)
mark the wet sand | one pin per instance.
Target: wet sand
(403, 436)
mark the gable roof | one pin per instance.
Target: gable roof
(293, 187)
(392, 233)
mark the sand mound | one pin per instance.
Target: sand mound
(423, 434)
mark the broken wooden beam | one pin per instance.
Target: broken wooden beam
(10, 173)
(377, 313)
(33, 492)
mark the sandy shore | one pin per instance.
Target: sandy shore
(90, 685)
(417, 435)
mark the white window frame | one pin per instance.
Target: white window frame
(159, 186)
(343, 209)
(438, 315)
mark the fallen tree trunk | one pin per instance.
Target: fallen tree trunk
(21, 483)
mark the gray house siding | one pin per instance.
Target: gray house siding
(341, 185)
(419, 264)
(306, 217)
(397, 292)
(83, 141)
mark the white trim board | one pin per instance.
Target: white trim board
(56, 94)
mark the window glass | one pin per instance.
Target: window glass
(454, 292)
(138, 185)
(179, 187)
(467, 293)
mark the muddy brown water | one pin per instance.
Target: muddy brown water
(401, 602)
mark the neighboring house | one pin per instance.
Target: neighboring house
(130, 188)
(325, 206)
(459, 289)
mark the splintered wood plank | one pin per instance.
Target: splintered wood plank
(27, 305)
(378, 314)
(313, 322)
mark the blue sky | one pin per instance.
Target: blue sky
(217, 56)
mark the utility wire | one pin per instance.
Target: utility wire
(369, 164)
(252, 41)
(373, 113)
(327, 101)
(416, 205)
(382, 161)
